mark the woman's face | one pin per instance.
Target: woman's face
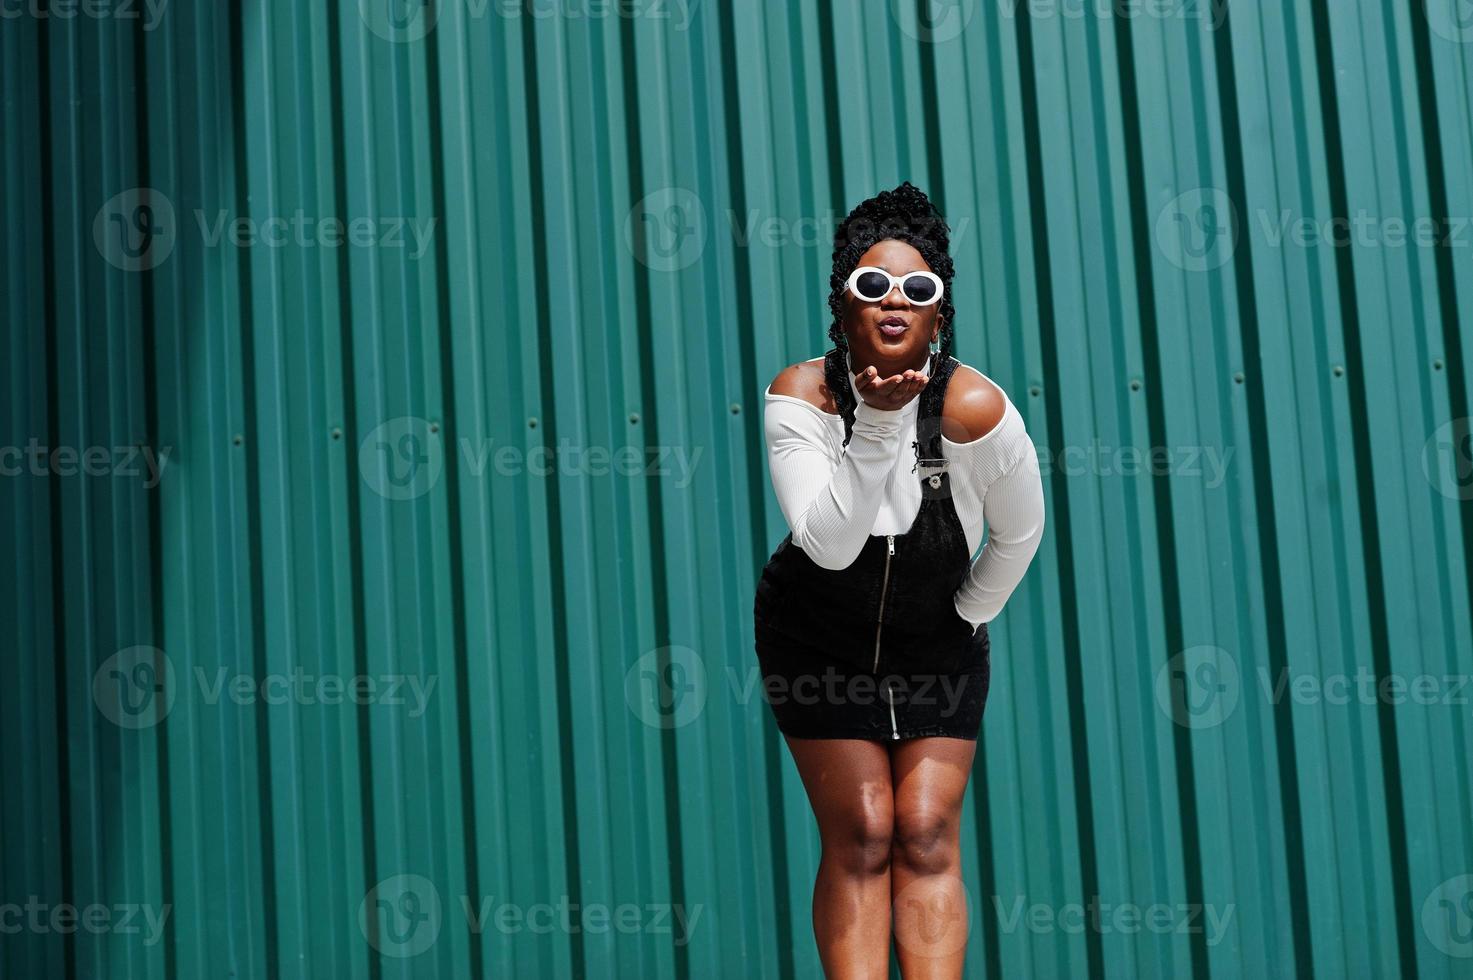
(893, 334)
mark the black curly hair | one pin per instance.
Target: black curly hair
(906, 214)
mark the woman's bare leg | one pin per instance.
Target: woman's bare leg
(848, 784)
(930, 777)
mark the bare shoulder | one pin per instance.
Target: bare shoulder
(974, 406)
(805, 380)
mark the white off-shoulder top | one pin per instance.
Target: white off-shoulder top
(834, 497)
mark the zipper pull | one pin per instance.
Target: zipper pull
(890, 539)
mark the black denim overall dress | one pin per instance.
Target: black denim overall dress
(877, 650)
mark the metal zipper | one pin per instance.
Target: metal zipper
(884, 588)
(884, 585)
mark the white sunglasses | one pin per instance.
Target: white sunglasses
(872, 284)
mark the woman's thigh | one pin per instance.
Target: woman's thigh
(849, 787)
(930, 778)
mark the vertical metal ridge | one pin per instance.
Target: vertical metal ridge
(1059, 516)
(1455, 359)
(60, 636)
(253, 733)
(547, 430)
(453, 504)
(1263, 490)
(1365, 488)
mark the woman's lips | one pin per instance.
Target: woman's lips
(892, 327)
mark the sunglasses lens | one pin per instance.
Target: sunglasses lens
(919, 289)
(871, 286)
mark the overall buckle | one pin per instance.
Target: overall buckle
(931, 469)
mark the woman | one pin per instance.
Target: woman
(887, 456)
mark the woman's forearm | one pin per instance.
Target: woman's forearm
(830, 509)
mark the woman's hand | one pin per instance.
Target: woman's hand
(889, 393)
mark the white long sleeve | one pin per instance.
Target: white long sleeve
(1012, 507)
(830, 496)
(833, 498)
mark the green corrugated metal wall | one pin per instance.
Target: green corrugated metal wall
(621, 215)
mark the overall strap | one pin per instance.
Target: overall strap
(928, 420)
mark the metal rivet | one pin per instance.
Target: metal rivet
(736, 409)
(1035, 391)
(434, 426)
(1337, 370)
(1238, 376)
(633, 418)
(239, 439)
(1135, 384)
(532, 423)
(337, 433)
(1437, 364)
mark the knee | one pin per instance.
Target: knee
(864, 843)
(926, 840)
